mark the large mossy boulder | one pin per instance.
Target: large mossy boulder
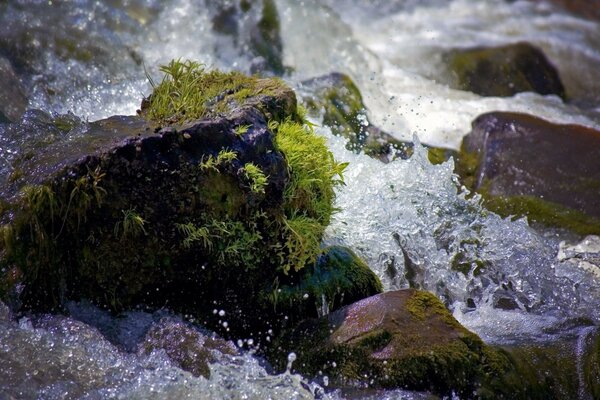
(503, 71)
(337, 101)
(526, 166)
(401, 339)
(211, 194)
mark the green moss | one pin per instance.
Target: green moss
(256, 177)
(189, 92)
(339, 277)
(543, 212)
(131, 225)
(309, 195)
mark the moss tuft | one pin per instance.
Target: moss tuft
(188, 92)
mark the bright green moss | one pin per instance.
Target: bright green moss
(188, 91)
(308, 197)
(258, 180)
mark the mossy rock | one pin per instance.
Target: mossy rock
(338, 278)
(526, 166)
(193, 204)
(254, 29)
(186, 346)
(337, 100)
(503, 71)
(402, 339)
(567, 367)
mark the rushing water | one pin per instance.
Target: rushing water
(407, 214)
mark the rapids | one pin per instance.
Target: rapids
(405, 215)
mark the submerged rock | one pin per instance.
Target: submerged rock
(201, 201)
(526, 166)
(337, 101)
(13, 100)
(503, 71)
(339, 277)
(186, 346)
(402, 339)
(254, 28)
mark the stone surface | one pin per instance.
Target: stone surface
(401, 339)
(337, 100)
(533, 167)
(338, 278)
(503, 71)
(186, 346)
(127, 212)
(13, 100)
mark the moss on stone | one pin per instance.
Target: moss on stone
(188, 92)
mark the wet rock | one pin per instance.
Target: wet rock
(503, 71)
(524, 165)
(402, 339)
(582, 8)
(567, 367)
(13, 100)
(339, 277)
(336, 99)
(254, 28)
(165, 208)
(187, 347)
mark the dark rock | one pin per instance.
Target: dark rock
(567, 367)
(187, 347)
(524, 165)
(338, 278)
(127, 211)
(582, 8)
(254, 28)
(503, 71)
(402, 339)
(13, 100)
(336, 99)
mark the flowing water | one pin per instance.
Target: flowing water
(91, 60)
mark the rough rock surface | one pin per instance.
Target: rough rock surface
(186, 346)
(13, 100)
(503, 71)
(404, 339)
(534, 167)
(336, 99)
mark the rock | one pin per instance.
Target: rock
(567, 367)
(187, 347)
(339, 277)
(402, 339)
(194, 205)
(254, 28)
(582, 8)
(337, 101)
(503, 71)
(13, 100)
(524, 165)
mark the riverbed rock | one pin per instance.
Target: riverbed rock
(527, 166)
(336, 99)
(566, 367)
(582, 8)
(338, 278)
(186, 346)
(193, 208)
(13, 100)
(254, 28)
(400, 339)
(503, 71)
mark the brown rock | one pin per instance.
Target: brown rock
(509, 155)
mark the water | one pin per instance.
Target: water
(89, 58)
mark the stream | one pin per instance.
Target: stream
(90, 59)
